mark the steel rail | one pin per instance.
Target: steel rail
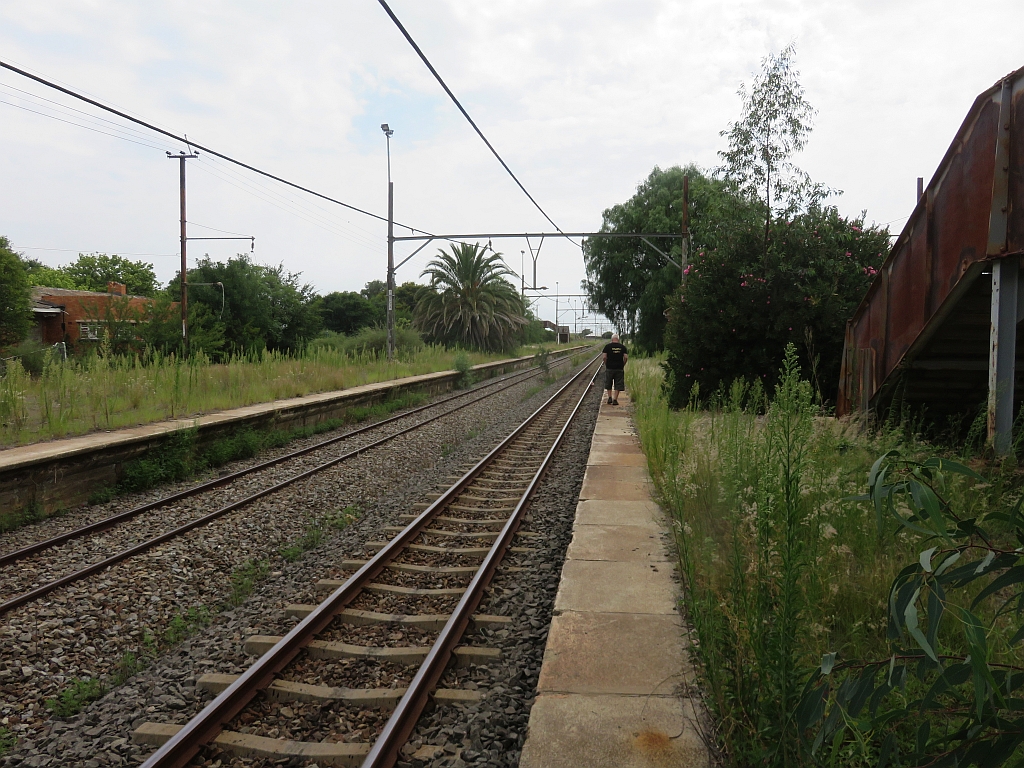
(109, 522)
(204, 727)
(400, 726)
(45, 589)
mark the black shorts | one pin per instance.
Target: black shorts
(615, 379)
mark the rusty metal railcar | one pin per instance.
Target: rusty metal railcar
(930, 329)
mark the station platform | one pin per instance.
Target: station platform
(612, 688)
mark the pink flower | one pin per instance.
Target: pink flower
(849, 254)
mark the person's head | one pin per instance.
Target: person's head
(615, 337)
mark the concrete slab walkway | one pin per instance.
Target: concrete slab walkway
(615, 659)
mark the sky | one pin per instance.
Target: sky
(581, 99)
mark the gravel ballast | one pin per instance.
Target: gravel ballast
(86, 630)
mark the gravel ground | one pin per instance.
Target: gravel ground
(86, 630)
(491, 732)
(58, 561)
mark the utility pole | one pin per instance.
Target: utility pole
(684, 256)
(391, 248)
(558, 328)
(182, 157)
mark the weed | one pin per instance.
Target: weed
(780, 566)
(464, 366)
(186, 624)
(313, 536)
(342, 519)
(106, 391)
(244, 580)
(7, 741)
(102, 495)
(31, 513)
(149, 644)
(128, 666)
(73, 699)
(446, 450)
(542, 359)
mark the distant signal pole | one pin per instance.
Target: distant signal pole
(182, 157)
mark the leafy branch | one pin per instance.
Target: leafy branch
(928, 704)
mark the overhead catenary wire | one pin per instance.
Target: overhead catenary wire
(189, 142)
(80, 125)
(462, 109)
(358, 239)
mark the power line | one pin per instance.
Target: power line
(113, 252)
(79, 125)
(463, 109)
(190, 143)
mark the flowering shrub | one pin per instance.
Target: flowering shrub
(742, 303)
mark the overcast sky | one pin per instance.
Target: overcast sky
(582, 99)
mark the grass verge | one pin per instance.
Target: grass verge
(788, 572)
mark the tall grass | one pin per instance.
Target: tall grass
(103, 392)
(780, 565)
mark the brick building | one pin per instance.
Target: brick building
(72, 316)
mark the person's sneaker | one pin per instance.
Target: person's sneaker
(610, 401)
(615, 402)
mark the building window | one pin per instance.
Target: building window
(90, 331)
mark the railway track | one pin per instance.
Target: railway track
(189, 518)
(407, 608)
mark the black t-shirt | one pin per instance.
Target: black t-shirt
(616, 356)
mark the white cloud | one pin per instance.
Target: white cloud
(582, 99)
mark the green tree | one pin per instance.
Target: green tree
(348, 311)
(264, 307)
(775, 124)
(470, 303)
(49, 277)
(160, 328)
(406, 296)
(92, 272)
(628, 280)
(15, 297)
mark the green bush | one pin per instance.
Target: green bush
(372, 340)
(464, 366)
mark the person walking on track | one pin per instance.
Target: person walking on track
(615, 356)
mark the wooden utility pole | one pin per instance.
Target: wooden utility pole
(684, 255)
(182, 157)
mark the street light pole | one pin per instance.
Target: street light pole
(391, 249)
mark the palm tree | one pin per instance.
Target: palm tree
(469, 302)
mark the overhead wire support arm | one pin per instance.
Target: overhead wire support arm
(500, 235)
(667, 257)
(252, 240)
(429, 241)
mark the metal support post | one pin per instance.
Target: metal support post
(684, 256)
(1005, 278)
(388, 133)
(391, 270)
(1002, 353)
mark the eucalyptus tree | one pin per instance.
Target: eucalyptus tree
(469, 301)
(775, 124)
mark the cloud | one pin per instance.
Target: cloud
(581, 98)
